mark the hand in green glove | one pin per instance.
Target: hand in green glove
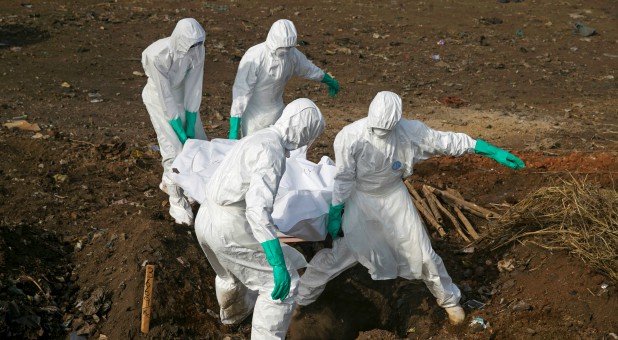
(190, 117)
(274, 255)
(334, 220)
(503, 157)
(333, 85)
(234, 127)
(180, 132)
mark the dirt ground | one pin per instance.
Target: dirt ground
(82, 215)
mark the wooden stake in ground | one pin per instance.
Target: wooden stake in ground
(147, 300)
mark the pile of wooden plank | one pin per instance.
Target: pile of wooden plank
(434, 205)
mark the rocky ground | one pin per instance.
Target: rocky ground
(82, 215)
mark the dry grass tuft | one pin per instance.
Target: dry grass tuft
(572, 215)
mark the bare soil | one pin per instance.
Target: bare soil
(82, 214)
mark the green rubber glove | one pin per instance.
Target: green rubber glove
(503, 157)
(180, 132)
(333, 85)
(190, 117)
(274, 255)
(334, 220)
(234, 127)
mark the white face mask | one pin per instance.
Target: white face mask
(380, 133)
(195, 54)
(282, 52)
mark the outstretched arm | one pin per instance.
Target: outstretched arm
(433, 142)
(428, 142)
(503, 157)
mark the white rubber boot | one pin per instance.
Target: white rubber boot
(456, 315)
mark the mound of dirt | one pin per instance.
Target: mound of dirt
(37, 284)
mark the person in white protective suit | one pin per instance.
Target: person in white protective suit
(263, 72)
(235, 229)
(381, 227)
(172, 95)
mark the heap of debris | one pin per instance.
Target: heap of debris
(573, 215)
(434, 205)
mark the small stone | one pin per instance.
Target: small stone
(86, 329)
(77, 323)
(60, 178)
(521, 306)
(506, 265)
(93, 304)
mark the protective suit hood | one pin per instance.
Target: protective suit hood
(300, 123)
(384, 111)
(187, 32)
(282, 34)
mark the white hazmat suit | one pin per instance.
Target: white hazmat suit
(235, 221)
(263, 72)
(172, 95)
(382, 229)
